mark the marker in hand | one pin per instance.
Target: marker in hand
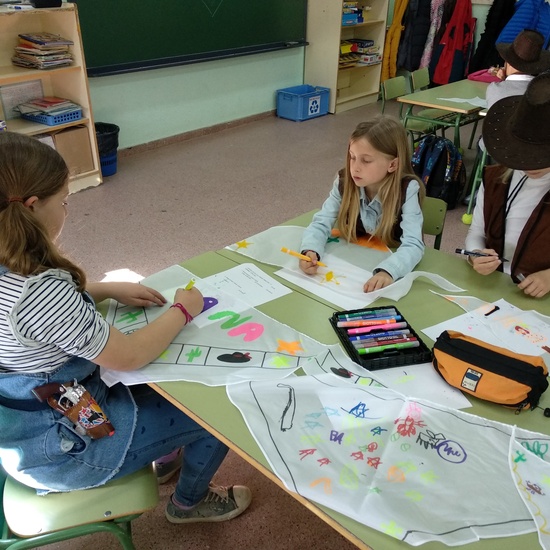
(301, 256)
(478, 254)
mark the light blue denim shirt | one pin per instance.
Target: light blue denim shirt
(411, 249)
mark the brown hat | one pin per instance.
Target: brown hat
(516, 130)
(525, 53)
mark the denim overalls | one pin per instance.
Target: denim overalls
(40, 447)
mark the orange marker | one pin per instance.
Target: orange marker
(301, 256)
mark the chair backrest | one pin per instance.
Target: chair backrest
(420, 79)
(434, 212)
(393, 88)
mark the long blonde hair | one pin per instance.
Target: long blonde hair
(387, 135)
(29, 168)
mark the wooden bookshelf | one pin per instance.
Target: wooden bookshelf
(68, 82)
(350, 87)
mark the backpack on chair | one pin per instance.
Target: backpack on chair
(438, 162)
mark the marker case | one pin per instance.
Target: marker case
(387, 358)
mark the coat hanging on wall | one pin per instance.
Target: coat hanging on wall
(486, 54)
(436, 18)
(529, 14)
(417, 25)
(393, 36)
(450, 58)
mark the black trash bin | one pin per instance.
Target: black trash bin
(107, 143)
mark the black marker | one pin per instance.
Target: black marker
(478, 254)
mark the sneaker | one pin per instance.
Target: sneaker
(167, 466)
(220, 504)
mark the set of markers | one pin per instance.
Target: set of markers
(379, 338)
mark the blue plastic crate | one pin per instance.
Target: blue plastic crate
(302, 102)
(54, 120)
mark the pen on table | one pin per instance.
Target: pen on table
(374, 335)
(369, 322)
(478, 254)
(190, 285)
(378, 349)
(382, 341)
(388, 326)
(389, 312)
(301, 256)
(20, 7)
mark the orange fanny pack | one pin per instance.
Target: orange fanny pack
(490, 372)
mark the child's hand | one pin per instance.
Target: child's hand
(537, 284)
(309, 268)
(191, 300)
(485, 265)
(130, 294)
(378, 281)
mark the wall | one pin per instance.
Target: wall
(156, 104)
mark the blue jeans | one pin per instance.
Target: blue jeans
(162, 428)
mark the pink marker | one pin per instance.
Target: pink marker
(384, 327)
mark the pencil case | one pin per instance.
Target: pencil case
(387, 358)
(490, 372)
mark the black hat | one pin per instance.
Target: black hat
(525, 53)
(516, 130)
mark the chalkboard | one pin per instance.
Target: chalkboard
(122, 36)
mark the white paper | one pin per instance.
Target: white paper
(248, 283)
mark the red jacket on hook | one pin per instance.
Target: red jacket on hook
(451, 56)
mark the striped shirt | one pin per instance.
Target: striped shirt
(44, 321)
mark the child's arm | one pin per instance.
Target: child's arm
(130, 294)
(126, 352)
(317, 232)
(411, 249)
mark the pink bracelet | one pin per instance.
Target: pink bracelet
(181, 307)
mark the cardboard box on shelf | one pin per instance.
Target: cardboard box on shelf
(73, 144)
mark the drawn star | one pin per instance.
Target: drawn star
(391, 529)
(429, 477)
(415, 496)
(289, 347)
(243, 244)
(280, 362)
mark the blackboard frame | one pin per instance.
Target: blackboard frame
(124, 36)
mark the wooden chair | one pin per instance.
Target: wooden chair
(392, 88)
(29, 521)
(420, 80)
(434, 212)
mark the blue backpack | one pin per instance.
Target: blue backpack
(438, 163)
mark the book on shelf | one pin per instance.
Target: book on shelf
(47, 106)
(46, 39)
(34, 55)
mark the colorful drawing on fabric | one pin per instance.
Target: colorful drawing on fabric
(229, 342)
(409, 468)
(501, 324)
(348, 267)
(421, 381)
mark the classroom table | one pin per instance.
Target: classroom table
(460, 114)
(309, 314)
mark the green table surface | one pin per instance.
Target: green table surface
(435, 97)
(309, 314)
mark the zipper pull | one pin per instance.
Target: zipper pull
(521, 406)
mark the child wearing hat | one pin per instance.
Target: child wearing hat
(524, 58)
(511, 221)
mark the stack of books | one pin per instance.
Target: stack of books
(358, 51)
(42, 50)
(50, 110)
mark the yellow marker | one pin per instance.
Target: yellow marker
(301, 256)
(190, 284)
